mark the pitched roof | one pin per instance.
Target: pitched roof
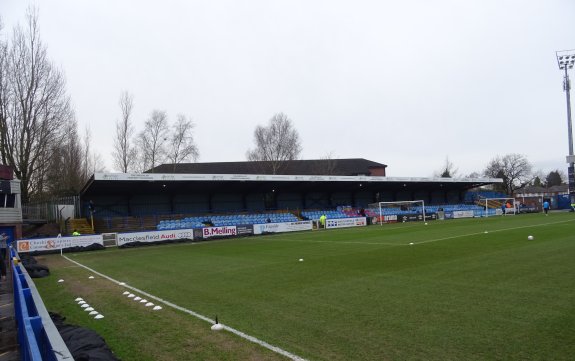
(536, 189)
(344, 167)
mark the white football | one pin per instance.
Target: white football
(530, 238)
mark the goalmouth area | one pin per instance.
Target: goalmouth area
(470, 289)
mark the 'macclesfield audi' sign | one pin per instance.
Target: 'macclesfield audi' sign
(154, 236)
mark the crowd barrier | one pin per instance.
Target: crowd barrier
(38, 338)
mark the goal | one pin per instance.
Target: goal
(400, 211)
(529, 204)
(500, 206)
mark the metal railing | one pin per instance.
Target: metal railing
(51, 211)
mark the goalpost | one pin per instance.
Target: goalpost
(502, 206)
(389, 212)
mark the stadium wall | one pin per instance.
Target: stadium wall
(289, 201)
(226, 202)
(316, 200)
(341, 198)
(150, 203)
(404, 196)
(190, 203)
(255, 202)
(438, 197)
(453, 197)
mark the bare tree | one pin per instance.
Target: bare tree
(326, 164)
(276, 143)
(93, 161)
(514, 169)
(473, 175)
(448, 170)
(86, 153)
(124, 152)
(34, 107)
(152, 140)
(66, 172)
(181, 146)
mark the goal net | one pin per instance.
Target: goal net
(500, 206)
(530, 204)
(391, 212)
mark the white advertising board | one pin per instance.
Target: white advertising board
(154, 236)
(282, 227)
(50, 244)
(463, 214)
(224, 231)
(345, 222)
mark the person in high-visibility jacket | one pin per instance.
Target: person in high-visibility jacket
(75, 233)
(322, 219)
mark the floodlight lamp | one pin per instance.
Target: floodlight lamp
(560, 57)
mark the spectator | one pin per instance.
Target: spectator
(75, 233)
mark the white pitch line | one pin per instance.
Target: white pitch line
(421, 242)
(492, 231)
(197, 315)
(337, 242)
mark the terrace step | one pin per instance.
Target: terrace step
(81, 225)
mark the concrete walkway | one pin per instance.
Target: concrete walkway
(8, 329)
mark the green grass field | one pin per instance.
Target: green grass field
(457, 293)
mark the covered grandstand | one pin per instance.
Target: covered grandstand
(191, 191)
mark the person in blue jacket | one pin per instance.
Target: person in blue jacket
(546, 207)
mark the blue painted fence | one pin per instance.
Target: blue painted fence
(38, 338)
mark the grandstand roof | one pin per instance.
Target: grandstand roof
(154, 183)
(342, 167)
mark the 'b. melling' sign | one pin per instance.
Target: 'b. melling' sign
(224, 231)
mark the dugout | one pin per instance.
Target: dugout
(197, 188)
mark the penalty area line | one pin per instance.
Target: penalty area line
(195, 314)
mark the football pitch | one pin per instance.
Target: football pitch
(469, 289)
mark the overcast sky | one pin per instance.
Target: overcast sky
(405, 83)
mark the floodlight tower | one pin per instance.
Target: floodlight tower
(566, 60)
